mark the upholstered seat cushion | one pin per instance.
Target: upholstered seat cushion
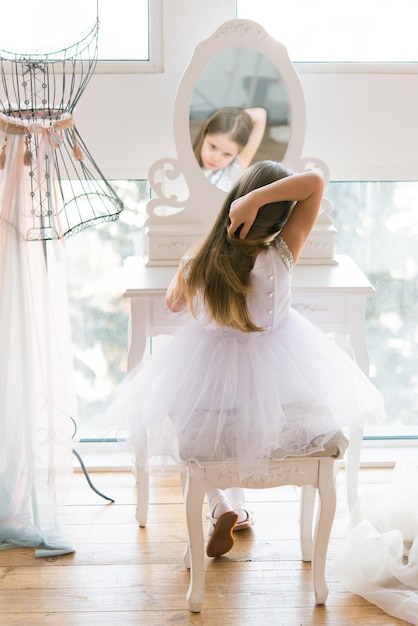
(335, 447)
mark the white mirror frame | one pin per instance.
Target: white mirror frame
(180, 212)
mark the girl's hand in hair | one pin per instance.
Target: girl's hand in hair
(242, 214)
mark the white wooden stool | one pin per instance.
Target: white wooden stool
(314, 473)
(352, 462)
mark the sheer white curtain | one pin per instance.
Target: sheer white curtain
(36, 390)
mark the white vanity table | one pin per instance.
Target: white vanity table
(333, 297)
(328, 289)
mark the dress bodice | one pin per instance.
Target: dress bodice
(270, 300)
(270, 297)
(224, 178)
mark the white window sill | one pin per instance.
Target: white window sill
(110, 456)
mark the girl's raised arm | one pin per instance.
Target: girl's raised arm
(305, 188)
(259, 118)
(303, 216)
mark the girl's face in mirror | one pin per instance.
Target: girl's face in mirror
(218, 151)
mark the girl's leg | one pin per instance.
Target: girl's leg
(236, 496)
(233, 499)
(218, 503)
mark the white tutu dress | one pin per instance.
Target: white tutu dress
(218, 393)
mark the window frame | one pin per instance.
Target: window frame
(391, 446)
(155, 63)
(347, 67)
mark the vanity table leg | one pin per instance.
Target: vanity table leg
(137, 340)
(357, 332)
(353, 465)
(142, 486)
(357, 338)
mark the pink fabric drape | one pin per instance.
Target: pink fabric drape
(36, 382)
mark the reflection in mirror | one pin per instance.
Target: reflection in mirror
(239, 79)
(227, 142)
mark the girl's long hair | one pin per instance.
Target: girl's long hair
(231, 121)
(219, 269)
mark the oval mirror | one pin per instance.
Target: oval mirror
(239, 65)
(243, 78)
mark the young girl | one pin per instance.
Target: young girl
(247, 375)
(227, 142)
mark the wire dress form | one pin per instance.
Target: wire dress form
(38, 96)
(50, 187)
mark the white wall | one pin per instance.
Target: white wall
(126, 120)
(363, 125)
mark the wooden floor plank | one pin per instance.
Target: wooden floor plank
(300, 616)
(122, 575)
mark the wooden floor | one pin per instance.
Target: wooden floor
(121, 575)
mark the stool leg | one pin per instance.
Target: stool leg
(307, 505)
(194, 495)
(186, 555)
(325, 519)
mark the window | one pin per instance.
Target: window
(377, 226)
(376, 220)
(98, 313)
(370, 31)
(129, 30)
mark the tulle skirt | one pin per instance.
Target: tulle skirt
(218, 395)
(221, 395)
